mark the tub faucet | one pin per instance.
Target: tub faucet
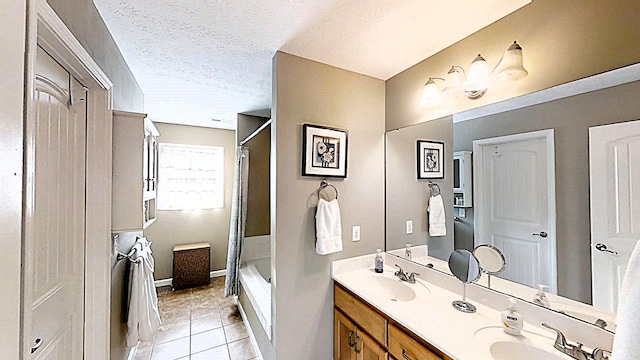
(410, 278)
(575, 351)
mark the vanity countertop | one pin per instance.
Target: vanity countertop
(431, 316)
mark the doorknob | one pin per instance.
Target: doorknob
(542, 234)
(603, 247)
(36, 345)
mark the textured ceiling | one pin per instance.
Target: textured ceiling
(200, 62)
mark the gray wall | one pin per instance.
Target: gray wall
(309, 92)
(85, 22)
(407, 197)
(571, 119)
(176, 227)
(12, 40)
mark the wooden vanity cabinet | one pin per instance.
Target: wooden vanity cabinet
(363, 333)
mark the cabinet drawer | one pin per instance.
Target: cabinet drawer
(403, 347)
(361, 314)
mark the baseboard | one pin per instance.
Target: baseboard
(169, 281)
(252, 337)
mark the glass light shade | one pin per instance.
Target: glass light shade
(455, 77)
(511, 66)
(430, 94)
(478, 77)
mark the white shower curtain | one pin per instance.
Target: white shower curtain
(238, 218)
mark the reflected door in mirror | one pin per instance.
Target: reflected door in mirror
(614, 161)
(515, 207)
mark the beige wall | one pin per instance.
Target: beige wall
(258, 203)
(12, 38)
(571, 119)
(563, 40)
(184, 227)
(85, 22)
(309, 92)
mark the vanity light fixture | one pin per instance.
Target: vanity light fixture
(476, 82)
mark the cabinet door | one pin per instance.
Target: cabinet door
(344, 333)
(368, 349)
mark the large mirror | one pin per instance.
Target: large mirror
(529, 196)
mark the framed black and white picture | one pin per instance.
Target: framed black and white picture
(430, 159)
(324, 151)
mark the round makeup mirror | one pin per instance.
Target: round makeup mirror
(466, 267)
(491, 259)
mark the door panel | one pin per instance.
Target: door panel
(513, 204)
(614, 162)
(55, 286)
(344, 331)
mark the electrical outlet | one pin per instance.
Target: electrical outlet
(409, 227)
(462, 212)
(355, 233)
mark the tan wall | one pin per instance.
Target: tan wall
(571, 119)
(258, 193)
(309, 92)
(12, 38)
(563, 40)
(85, 22)
(183, 227)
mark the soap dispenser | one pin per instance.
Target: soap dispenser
(379, 262)
(541, 298)
(512, 319)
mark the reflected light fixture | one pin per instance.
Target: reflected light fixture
(476, 82)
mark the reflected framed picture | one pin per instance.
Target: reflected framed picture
(430, 159)
(324, 151)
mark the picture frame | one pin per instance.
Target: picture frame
(324, 151)
(430, 159)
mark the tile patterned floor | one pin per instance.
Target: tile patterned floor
(198, 324)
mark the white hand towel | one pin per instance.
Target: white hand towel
(328, 227)
(437, 221)
(626, 342)
(143, 318)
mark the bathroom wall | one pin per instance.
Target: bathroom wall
(571, 118)
(176, 227)
(258, 189)
(85, 22)
(12, 38)
(562, 41)
(305, 91)
(408, 197)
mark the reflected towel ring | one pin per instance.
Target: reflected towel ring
(324, 184)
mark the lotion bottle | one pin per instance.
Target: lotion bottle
(541, 297)
(512, 319)
(379, 262)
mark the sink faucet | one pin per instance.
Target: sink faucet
(410, 278)
(576, 351)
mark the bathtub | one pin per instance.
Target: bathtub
(255, 277)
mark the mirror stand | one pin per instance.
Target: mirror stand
(463, 305)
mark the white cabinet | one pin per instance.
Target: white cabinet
(135, 157)
(462, 175)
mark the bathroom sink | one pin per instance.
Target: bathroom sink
(391, 289)
(531, 345)
(508, 350)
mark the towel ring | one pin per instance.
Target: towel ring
(434, 189)
(324, 184)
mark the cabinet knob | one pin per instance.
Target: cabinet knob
(349, 339)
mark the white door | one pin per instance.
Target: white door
(515, 204)
(614, 164)
(54, 280)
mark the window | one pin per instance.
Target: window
(190, 177)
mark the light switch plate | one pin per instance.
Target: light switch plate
(355, 233)
(409, 227)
